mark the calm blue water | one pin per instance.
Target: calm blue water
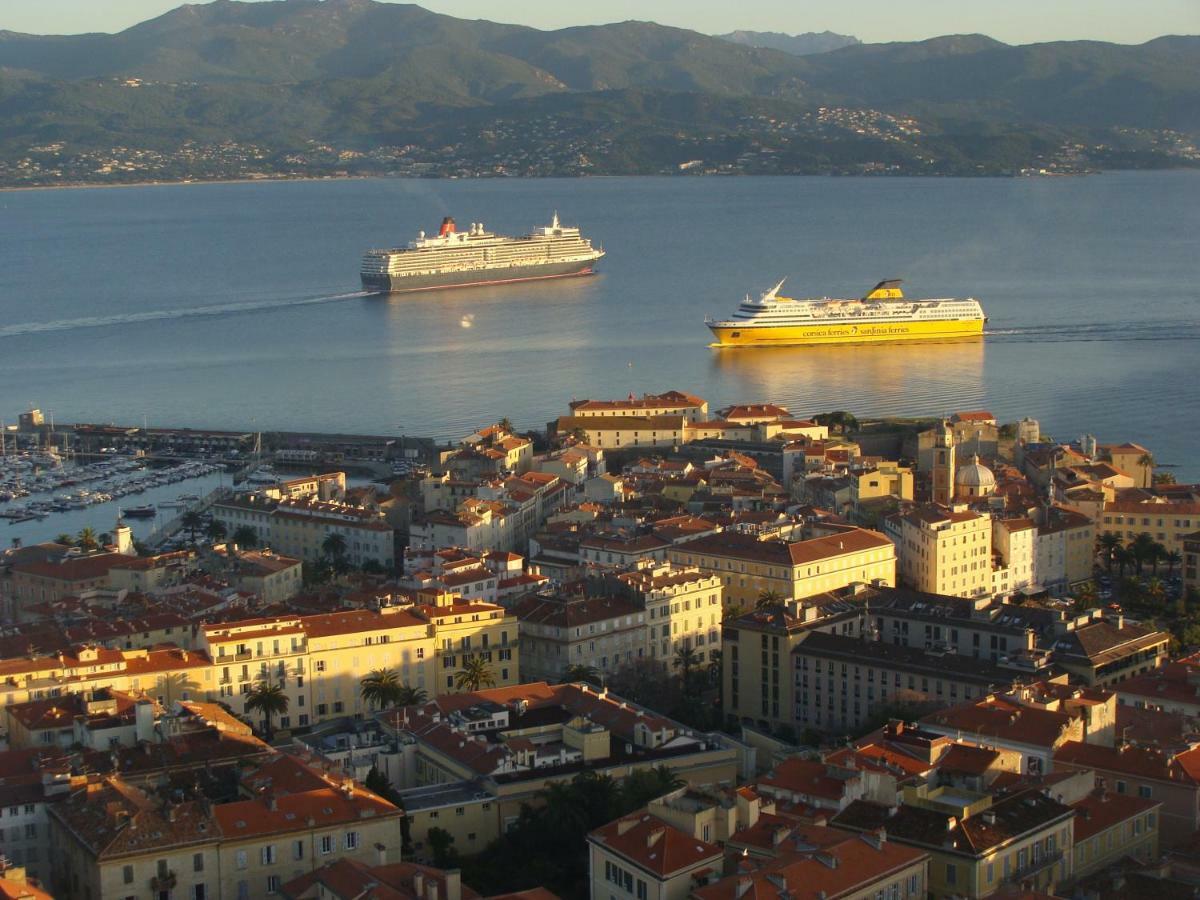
(236, 305)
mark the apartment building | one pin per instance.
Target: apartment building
(1163, 775)
(601, 632)
(299, 527)
(320, 660)
(671, 403)
(749, 565)
(1022, 839)
(841, 865)
(641, 855)
(683, 610)
(166, 674)
(1167, 519)
(944, 550)
(115, 839)
(1066, 549)
(473, 760)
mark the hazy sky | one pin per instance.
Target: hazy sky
(1013, 21)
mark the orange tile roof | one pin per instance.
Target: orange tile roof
(654, 845)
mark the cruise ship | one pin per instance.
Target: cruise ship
(882, 315)
(454, 258)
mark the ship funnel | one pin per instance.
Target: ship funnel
(447, 226)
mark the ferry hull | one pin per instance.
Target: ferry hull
(729, 335)
(401, 284)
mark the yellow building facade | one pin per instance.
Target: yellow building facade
(748, 566)
(946, 551)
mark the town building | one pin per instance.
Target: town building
(471, 761)
(243, 838)
(642, 856)
(944, 550)
(749, 566)
(977, 843)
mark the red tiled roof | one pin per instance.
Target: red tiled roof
(654, 845)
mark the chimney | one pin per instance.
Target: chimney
(380, 855)
(453, 884)
(418, 884)
(431, 890)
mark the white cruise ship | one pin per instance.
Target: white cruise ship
(454, 258)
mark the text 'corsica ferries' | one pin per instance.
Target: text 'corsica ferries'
(882, 315)
(476, 257)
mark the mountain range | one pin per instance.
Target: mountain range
(359, 74)
(795, 44)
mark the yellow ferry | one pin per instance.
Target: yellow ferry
(882, 315)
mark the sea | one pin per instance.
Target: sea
(238, 305)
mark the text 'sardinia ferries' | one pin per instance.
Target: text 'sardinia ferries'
(882, 315)
(476, 257)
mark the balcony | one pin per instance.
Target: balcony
(244, 655)
(1045, 861)
(163, 882)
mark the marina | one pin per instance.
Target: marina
(43, 495)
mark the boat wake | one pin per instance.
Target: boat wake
(1099, 331)
(157, 315)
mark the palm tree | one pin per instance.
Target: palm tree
(1157, 552)
(87, 539)
(1123, 557)
(179, 686)
(714, 666)
(65, 539)
(1085, 596)
(216, 531)
(579, 672)
(1155, 589)
(269, 700)
(1107, 545)
(733, 611)
(1172, 559)
(407, 695)
(192, 521)
(505, 424)
(769, 598)
(685, 660)
(381, 688)
(561, 810)
(1146, 461)
(474, 674)
(643, 785)
(1142, 548)
(334, 546)
(245, 536)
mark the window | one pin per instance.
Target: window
(239, 861)
(1121, 787)
(272, 884)
(199, 892)
(268, 855)
(951, 873)
(197, 862)
(326, 843)
(127, 874)
(1145, 791)
(351, 840)
(243, 890)
(298, 850)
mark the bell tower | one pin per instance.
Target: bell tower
(943, 466)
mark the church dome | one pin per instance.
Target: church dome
(975, 477)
